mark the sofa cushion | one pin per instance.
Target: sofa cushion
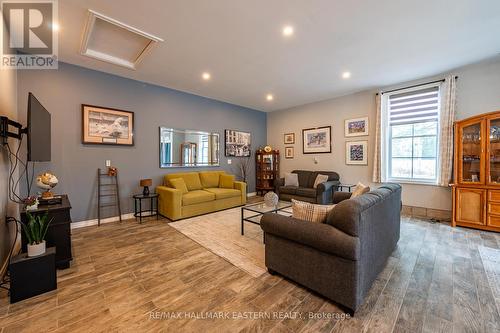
(197, 196)
(226, 181)
(192, 179)
(331, 176)
(304, 178)
(291, 179)
(179, 184)
(360, 189)
(306, 192)
(223, 193)
(288, 189)
(310, 212)
(209, 178)
(320, 179)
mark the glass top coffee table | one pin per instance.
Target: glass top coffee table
(253, 213)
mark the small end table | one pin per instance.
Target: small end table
(153, 206)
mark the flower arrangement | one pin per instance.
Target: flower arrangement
(31, 202)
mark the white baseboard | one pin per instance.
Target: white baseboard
(251, 194)
(88, 223)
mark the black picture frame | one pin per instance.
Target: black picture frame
(318, 150)
(232, 148)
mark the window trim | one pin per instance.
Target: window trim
(386, 130)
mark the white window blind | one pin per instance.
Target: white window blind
(414, 106)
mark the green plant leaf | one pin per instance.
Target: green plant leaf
(45, 227)
(36, 231)
(27, 233)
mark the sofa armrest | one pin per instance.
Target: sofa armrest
(241, 186)
(169, 202)
(327, 186)
(339, 196)
(319, 236)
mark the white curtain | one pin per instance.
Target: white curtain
(377, 156)
(446, 119)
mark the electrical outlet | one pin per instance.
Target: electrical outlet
(229, 161)
(108, 163)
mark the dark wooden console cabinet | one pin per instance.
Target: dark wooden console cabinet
(59, 233)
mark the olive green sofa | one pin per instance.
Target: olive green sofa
(205, 194)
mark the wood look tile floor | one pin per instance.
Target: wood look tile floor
(123, 275)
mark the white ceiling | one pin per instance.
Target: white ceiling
(240, 43)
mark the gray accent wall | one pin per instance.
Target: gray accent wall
(63, 91)
(478, 91)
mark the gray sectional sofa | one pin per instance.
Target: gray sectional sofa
(322, 194)
(341, 258)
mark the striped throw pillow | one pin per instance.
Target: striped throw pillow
(310, 212)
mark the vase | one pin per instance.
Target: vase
(36, 249)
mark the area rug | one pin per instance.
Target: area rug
(220, 233)
(491, 264)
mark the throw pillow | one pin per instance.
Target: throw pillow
(291, 179)
(320, 179)
(310, 212)
(226, 181)
(360, 190)
(180, 184)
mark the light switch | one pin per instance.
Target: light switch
(229, 161)
(108, 163)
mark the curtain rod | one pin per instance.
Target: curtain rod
(414, 86)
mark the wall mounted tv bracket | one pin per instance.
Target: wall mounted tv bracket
(4, 129)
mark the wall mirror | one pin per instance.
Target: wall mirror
(188, 148)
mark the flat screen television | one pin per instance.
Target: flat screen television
(39, 140)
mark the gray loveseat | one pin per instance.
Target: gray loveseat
(322, 194)
(341, 258)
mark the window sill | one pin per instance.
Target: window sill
(412, 182)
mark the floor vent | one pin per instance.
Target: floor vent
(115, 42)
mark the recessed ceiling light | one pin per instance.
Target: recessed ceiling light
(346, 75)
(287, 30)
(55, 26)
(269, 97)
(206, 76)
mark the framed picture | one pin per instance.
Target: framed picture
(356, 127)
(288, 152)
(289, 138)
(237, 143)
(356, 152)
(317, 140)
(107, 126)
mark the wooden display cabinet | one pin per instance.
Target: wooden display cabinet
(267, 170)
(476, 183)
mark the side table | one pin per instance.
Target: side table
(31, 276)
(153, 206)
(349, 187)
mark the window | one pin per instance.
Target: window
(411, 129)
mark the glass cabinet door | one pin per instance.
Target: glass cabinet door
(494, 152)
(471, 154)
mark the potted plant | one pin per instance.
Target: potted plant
(35, 230)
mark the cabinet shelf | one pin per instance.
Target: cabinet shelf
(266, 170)
(476, 179)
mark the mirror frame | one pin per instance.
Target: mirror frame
(179, 130)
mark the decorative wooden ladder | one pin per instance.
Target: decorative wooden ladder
(108, 189)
